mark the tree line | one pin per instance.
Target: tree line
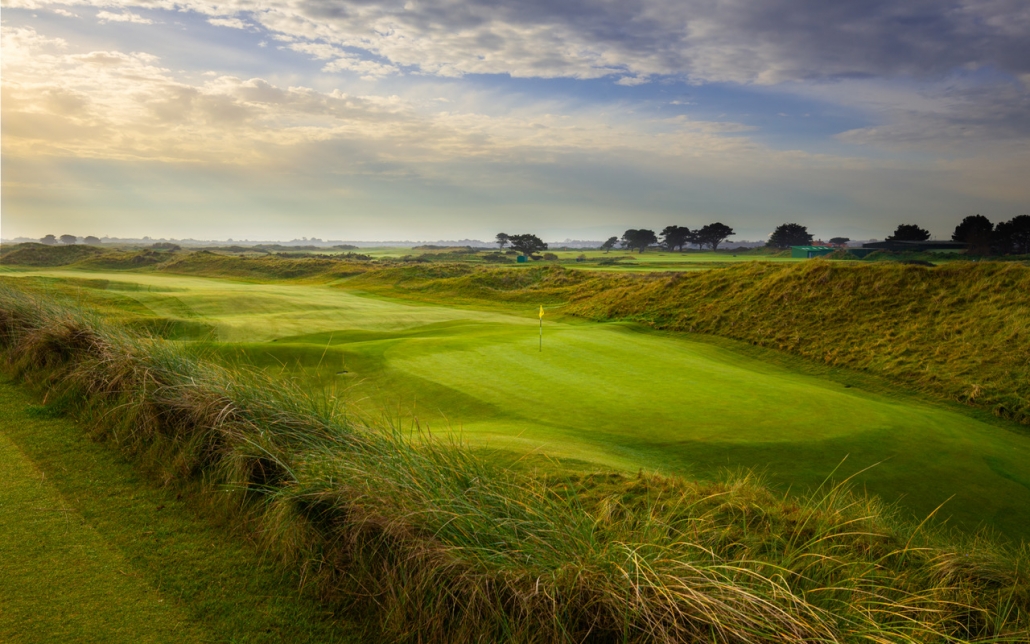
(1004, 238)
(983, 237)
(51, 240)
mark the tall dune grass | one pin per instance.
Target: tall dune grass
(438, 545)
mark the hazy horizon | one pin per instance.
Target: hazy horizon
(420, 120)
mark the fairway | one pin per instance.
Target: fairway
(609, 395)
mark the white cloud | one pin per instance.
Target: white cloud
(631, 81)
(232, 23)
(128, 16)
(66, 14)
(366, 69)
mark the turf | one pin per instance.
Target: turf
(603, 394)
(92, 552)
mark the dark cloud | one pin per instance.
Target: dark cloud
(741, 40)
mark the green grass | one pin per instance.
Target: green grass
(90, 551)
(604, 394)
(445, 546)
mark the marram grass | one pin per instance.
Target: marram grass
(441, 546)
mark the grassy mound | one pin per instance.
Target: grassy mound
(465, 282)
(961, 331)
(446, 547)
(32, 254)
(261, 268)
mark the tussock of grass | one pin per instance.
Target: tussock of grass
(442, 546)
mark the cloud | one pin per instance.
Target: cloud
(127, 105)
(232, 23)
(66, 14)
(366, 69)
(128, 16)
(754, 41)
(631, 81)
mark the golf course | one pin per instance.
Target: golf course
(592, 395)
(435, 450)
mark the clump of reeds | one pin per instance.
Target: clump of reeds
(440, 545)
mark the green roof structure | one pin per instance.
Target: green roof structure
(808, 252)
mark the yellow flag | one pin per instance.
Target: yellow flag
(541, 311)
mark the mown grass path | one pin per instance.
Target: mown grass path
(604, 394)
(91, 552)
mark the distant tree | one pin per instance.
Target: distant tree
(674, 237)
(713, 234)
(1013, 237)
(49, 240)
(91, 240)
(787, 235)
(527, 244)
(69, 239)
(840, 241)
(975, 230)
(502, 240)
(639, 239)
(909, 232)
(609, 244)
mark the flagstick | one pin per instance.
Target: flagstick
(541, 334)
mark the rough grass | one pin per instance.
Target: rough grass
(443, 546)
(90, 552)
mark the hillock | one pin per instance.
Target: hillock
(32, 254)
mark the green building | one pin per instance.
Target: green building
(808, 252)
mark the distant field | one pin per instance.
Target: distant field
(603, 394)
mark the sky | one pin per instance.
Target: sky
(424, 120)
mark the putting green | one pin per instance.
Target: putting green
(608, 394)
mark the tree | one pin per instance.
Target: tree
(1013, 237)
(502, 239)
(694, 237)
(609, 244)
(839, 241)
(975, 230)
(526, 244)
(713, 235)
(93, 241)
(674, 237)
(49, 240)
(787, 235)
(909, 232)
(639, 239)
(69, 239)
